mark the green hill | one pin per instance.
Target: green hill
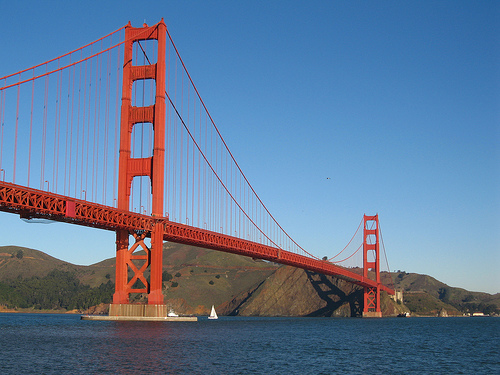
(202, 278)
(26, 263)
(425, 295)
(194, 279)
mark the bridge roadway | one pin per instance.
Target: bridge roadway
(33, 203)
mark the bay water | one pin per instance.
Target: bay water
(64, 344)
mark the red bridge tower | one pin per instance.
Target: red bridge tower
(153, 167)
(371, 263)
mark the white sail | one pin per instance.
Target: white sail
(213, 314)
(171, 313)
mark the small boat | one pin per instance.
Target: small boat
(172, 314)
(404, 315)
(213, 314)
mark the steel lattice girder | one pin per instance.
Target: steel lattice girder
(29, 202)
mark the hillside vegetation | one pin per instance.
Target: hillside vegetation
(58, 290)
(425, 295)
(19, 262)
(194, 279)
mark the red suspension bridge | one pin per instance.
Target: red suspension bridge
(115, 135)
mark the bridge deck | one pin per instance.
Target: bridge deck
(34, 203)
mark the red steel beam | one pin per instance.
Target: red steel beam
(34, 203)
(31, 203)
(189, 235)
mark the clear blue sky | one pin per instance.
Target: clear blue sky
(397, 102)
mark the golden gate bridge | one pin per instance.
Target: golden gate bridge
(115, 135)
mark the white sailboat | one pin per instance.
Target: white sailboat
(213, 314)
(172, 314)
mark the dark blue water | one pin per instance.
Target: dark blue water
(57, 344)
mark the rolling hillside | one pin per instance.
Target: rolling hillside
(25, 263)
(425, 295)
(196, 278)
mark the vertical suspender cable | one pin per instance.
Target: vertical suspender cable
(84, 111)
(78, 142)
(97, 128)
(106, 126)
(17, 125)
(87, 126)
(57, 130)
(67, 133)
(181, 154)
(192, 171)
(187, 161)
(2, 117)
(44, 132)
(31, 127)
(71, 130)
(168, 135)
(115, 153)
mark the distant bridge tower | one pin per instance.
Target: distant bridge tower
(153, 167)
(371, 263)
